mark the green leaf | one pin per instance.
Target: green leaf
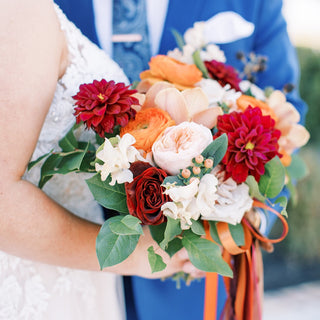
(157, 232)
(114, 248)
(237, 233)
(111, 197)
(214, 232)
(155, 261)
(298, 168)
(272, 182)
(254, 189)
(199, 63)
(172, 230)
(179, 39)
(197, 227)
(69, 142)
(174, 246)
(216, 149)
(73, 161)
(172, 180)
(283, 202)
(205, 254)
(47, 168)
(33, 163)
(126, 226)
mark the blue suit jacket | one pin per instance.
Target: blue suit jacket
(155, 299)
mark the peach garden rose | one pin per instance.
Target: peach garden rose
(178, 145)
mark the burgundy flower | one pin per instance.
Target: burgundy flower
(252, 141)
(223, 73)
(102, 105)
(145, 193)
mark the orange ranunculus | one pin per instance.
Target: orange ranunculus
(162, 67)
(244, 101)
(147, 126)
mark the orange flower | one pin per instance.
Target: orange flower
(245, 101)
(147, 126)
(162, 67)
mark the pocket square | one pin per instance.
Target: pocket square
(227, 27)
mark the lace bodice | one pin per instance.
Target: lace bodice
(86, 63)
(30, 290)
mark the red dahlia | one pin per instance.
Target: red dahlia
(252, 141)
(102, 105)
(223, 73)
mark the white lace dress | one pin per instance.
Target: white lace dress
(34, 291)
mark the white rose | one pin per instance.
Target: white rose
(232, 203)
(179, 145)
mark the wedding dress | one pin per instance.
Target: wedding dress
(35, 291)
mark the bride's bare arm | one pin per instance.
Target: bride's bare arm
(32, 226)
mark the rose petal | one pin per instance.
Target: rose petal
(172, 101)
(196, 100)
(208, 117)
(153, 91)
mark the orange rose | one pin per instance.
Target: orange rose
(162, 67)
(147, 126)
(245, 101)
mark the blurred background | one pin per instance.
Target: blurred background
(292, 272)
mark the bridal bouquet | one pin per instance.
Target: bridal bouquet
(193, 152)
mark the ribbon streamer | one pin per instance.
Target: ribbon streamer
(245, 290)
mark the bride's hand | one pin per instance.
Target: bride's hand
(138, 264)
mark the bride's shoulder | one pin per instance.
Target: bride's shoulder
(30, 31)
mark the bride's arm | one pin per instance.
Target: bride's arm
(32, 226)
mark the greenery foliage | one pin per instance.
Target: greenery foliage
(310, 89)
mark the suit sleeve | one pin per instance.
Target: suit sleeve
(272, 40)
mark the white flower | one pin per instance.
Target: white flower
(117, 159)
(216, 93)
(232, 202)
(185, 56)
(258, 93)
(207, 194)
(208, 53)
(178, 145)
(183, 206)
(195, 36)
(213, 52)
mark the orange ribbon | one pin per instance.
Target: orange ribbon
(211, 288)
(247, 260)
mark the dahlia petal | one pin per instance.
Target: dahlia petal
(122, 119)
(114, 109)
(239, 157)
(240, 173)
(95, 121)
(84, 116)
(113, 98)
(99, 111)
(107, 124)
